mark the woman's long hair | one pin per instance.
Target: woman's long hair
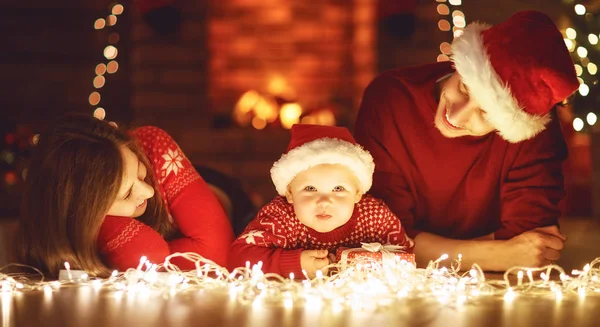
(72, 180)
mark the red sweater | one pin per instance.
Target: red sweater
(462, 187)
(206, 230)
(276, 236)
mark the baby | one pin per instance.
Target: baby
(321, 181)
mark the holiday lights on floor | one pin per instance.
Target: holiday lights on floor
(363, 286)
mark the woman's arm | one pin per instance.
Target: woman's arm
(192, 204)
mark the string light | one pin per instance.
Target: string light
(584, 89)
(110, 52)
(580, 9)
(582, 52)
(455, 24)
(577, 124)
(591, 118)
(361, 286)
(592, 68)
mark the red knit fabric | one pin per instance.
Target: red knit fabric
(277, 237)
(192, 205)
(462, 187)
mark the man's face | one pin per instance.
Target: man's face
(458, 114)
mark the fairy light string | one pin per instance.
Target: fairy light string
(452, 20)
(110, 53)
(364, 285)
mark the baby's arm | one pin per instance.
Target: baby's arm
(268, 239)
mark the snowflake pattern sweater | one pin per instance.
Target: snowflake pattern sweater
(206, 230)
(277, 237)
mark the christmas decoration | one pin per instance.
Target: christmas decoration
(453, 24)
(110, 53)
(581, 39)
(360, 288)
(373, 253)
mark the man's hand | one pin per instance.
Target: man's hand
(313, 260)
(535, 248)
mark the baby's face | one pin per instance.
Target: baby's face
(323, 196)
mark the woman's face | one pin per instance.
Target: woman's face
(134, 192)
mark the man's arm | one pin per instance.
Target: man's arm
(530, 249)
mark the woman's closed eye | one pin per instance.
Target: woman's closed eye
(128, 194)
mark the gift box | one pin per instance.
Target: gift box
(369, 252)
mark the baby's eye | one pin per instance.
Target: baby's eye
(339, 189)
(310, 188)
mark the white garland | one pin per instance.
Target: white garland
(365, 285)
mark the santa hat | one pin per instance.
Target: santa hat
(312, 145)
(517, 71)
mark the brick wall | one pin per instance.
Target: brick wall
(323, 51)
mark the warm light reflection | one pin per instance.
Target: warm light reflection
(259, 123)
(584, 89)
(278, 86)
(100, 69)
(117, 9)
(592, 68)
(591, 118)
(570, 44)
(582, 52)
(100, 113)
(445, 48)
(442, 57)
(110, 52)
(444, 25)
(99, 81)
(459, 21)
(578, 124)
(456, 25)
(580, 9)
(99, 23)
(94, 98)
(443, 9)
(290, 114)
(111, 20)
(112, 67)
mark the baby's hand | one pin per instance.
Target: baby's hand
(313, 260)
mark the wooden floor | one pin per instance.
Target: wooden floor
(583, 242)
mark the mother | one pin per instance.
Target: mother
(100, 198)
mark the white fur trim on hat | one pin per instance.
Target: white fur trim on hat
(323, 151)
(473, 65)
